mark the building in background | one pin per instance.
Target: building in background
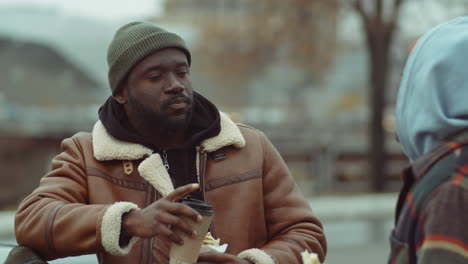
(299, 74)
(53, 76)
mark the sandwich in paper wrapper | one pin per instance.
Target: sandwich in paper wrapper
(309, 258)
(212, 244)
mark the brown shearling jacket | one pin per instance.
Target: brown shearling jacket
(77, 208)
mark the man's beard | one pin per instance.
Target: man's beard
(149, 121)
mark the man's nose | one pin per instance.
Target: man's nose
(174, 85)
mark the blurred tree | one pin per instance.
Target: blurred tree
(379, 21)
(248, 36)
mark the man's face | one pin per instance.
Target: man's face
(159, 91)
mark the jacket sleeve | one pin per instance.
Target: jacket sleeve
(56, 219)
(292, 228)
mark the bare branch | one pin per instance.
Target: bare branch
(357, 5)
(396, 11)
(379, 9)
(397, 4)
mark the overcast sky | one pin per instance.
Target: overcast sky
(98, 9)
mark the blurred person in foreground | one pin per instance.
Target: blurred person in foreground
(432, 127)
(114, 191)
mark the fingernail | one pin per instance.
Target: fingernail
(195, 185)
(199, 218)
(194, 234)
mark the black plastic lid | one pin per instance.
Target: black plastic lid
(202, 207)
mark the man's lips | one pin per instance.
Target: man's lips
(178, 103)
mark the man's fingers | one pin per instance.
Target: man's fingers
(176, 238)
(165, 231)
(177, 223)
(182, 191)
(180, 209)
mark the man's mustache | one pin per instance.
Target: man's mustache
(171, 99)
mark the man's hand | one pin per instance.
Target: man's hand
(215, 257)
(158, 218)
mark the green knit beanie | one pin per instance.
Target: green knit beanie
(132, 43)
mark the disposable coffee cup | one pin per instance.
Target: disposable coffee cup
(189, 251)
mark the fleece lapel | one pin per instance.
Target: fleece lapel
(152, 168)
(229, 135)
(106, 147)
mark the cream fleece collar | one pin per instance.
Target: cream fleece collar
(107, 147)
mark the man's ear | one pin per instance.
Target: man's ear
(121, 95)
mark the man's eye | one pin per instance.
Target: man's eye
(154, 77)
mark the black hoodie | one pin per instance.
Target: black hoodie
(205, 124)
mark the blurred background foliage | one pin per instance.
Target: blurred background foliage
(319, 77)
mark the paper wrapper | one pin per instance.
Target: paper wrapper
(309, 258)
(212, 244)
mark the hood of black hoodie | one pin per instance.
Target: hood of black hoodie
(205, 123)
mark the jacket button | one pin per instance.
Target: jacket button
(128, 167)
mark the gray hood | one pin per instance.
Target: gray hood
(432, 102)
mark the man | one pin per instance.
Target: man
(432, 127)
(112, 193)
